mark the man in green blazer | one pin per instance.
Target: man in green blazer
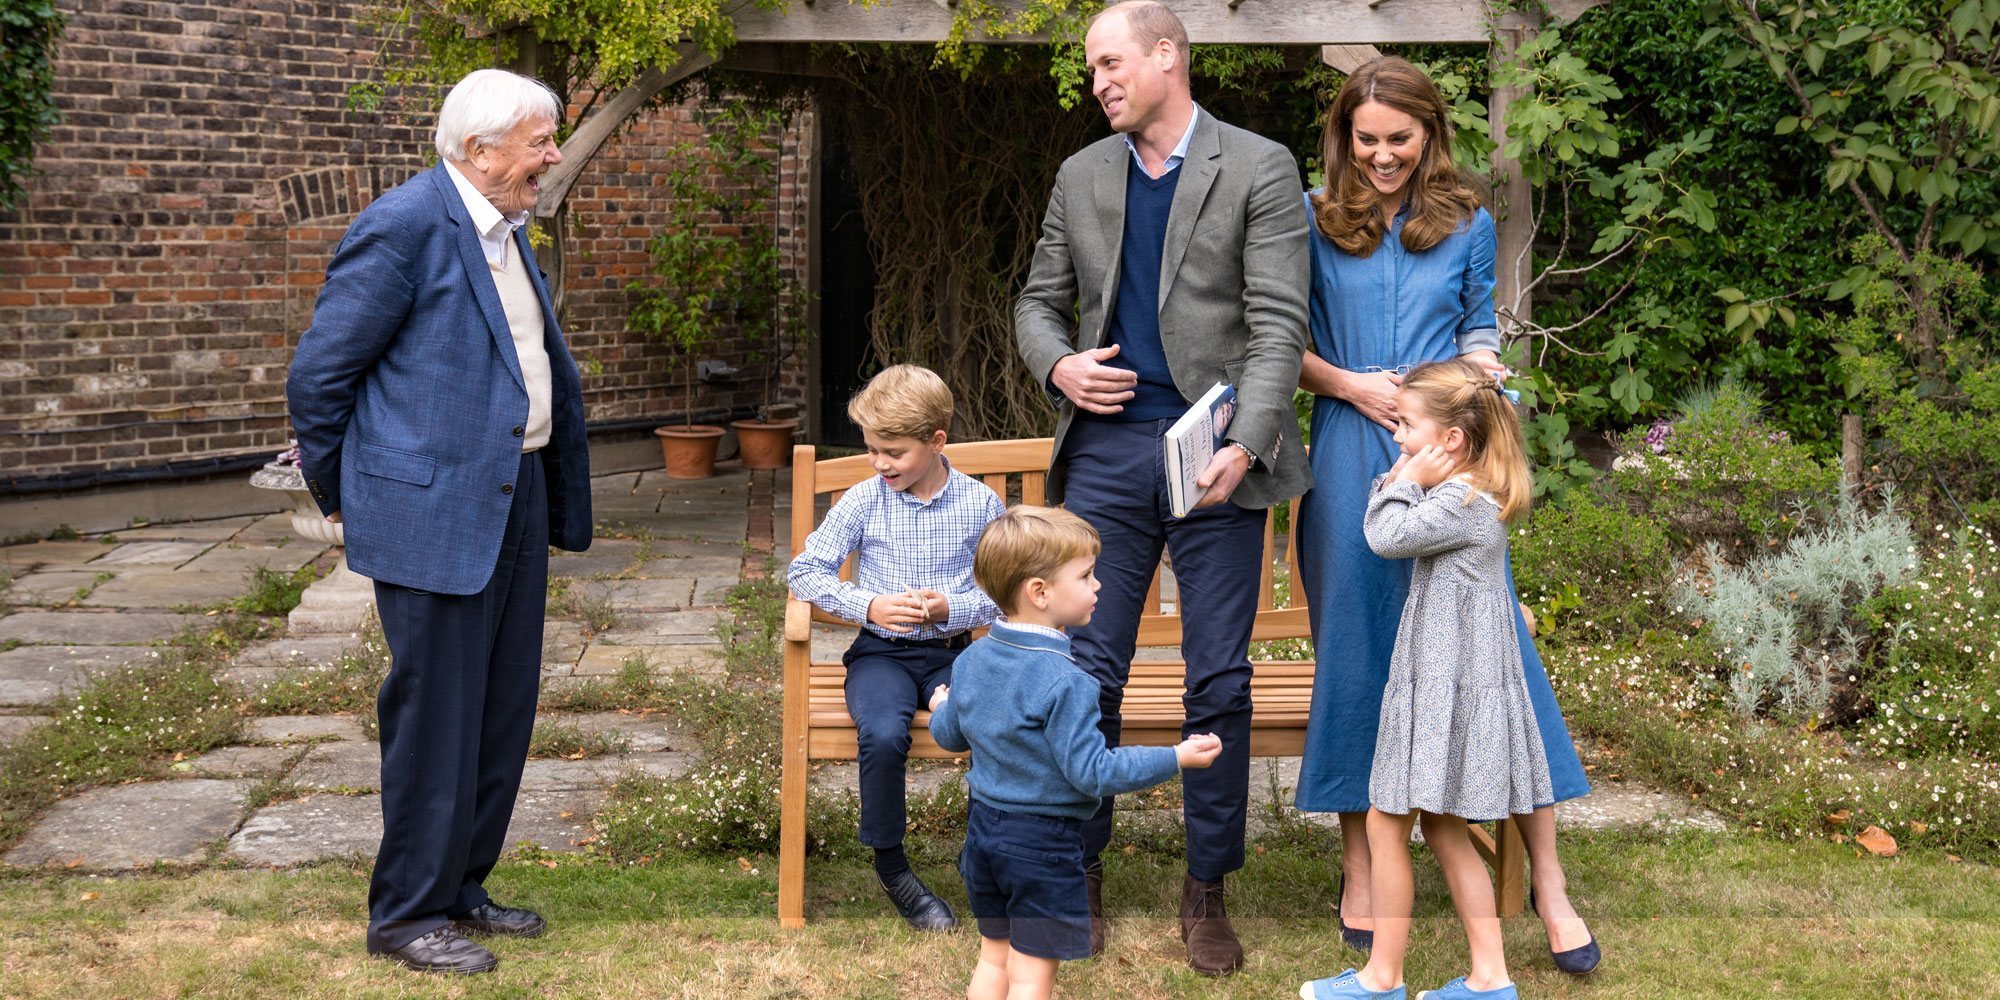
(1173, 256)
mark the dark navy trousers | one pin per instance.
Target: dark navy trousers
(456, 712)
(1117, 482)
(886, 683)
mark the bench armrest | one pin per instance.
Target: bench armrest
(798, 620)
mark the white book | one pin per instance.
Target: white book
(1193, 440)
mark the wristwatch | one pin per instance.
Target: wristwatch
(1246, 450)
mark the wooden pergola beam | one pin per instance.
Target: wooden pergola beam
(584, 143)
(1211, 22)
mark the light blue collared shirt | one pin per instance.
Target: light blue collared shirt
(1174, 158)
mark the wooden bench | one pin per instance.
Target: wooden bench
(816, 725)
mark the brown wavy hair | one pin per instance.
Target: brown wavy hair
(1348, 209)
(1458, 393)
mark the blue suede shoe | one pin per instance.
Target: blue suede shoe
(1347, 986)
(1457, 990)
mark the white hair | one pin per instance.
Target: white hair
(486, 105)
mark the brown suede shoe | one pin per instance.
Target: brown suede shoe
(1212, 946)
(1093, 894)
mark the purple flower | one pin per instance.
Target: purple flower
(290, 456)
(1657, 435)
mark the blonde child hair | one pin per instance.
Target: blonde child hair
(1027, 542)
(902, 401)
(1458, 393)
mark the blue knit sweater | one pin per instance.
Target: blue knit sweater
(1029, 716)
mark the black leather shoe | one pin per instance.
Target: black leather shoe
(918, 904)
(444, 950)
(492, 918)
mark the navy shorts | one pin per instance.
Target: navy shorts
(1024, 875)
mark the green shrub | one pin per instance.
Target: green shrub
(1583, 562)
(1719, 472)
(1785, 621)
(1936, 679)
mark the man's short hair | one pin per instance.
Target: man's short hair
(1024, 543)
(1150, 21)
(902, 401)
(486, 105)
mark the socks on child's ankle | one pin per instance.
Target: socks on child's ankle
(890, 861)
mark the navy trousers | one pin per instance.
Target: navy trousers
(886, 683)
(1117, 482)
(456, 712)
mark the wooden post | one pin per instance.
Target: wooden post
(1851, 450)
(1512, 203)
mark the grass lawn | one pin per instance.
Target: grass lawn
(1685, 915)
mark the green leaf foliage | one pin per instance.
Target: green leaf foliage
(29, 30)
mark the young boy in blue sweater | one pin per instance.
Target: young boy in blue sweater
(912, 528)
(1039, 763)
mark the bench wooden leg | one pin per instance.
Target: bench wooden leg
(1506, 853)
(792, 790)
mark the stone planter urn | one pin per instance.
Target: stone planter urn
(340, 601)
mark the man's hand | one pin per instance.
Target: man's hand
(1199, 750)
(1220, 479)
(1428, 467)
(937, 697)
(898, 612)
(1374, 394)
(1092, 385)
(334, 517)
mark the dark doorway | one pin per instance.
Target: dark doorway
(846, 294)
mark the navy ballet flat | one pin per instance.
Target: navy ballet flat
(1359, 940)
(1576, 961)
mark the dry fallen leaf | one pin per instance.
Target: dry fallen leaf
(1840, 838)
(1877, 841)
(546, 864)
(567, 815)
(1837, 818)
(1918, 827)
(1953, 858)
(743, 863)
(89, 896)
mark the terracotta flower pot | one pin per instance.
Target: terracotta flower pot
(764, 445)
(689, 449)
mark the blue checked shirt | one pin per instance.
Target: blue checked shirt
(902, 543)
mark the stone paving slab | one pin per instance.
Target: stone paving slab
(238, 560)
(96, 628)
(549, 774)
(271, 529)
(603, 660)
(556, 820)
(297, 652)
(20, 557)
(616, 484)
(186, 588)
(12, 727)
(347, 765)
(299, 728)
(664, 628)
(562, 644)
(605, 557)
(643, 732)
(241, 762)
(153, 553)
(729, 565)
(310, 829)
(49, 587)
(639, 595)
(37, 675)
(216, 530)
(132, 826)
(1615, 806)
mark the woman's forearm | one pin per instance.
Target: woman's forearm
(1321, 378)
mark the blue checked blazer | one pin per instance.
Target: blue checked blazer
(408, 400)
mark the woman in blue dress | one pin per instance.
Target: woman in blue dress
(1402, 272)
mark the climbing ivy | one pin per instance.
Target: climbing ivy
(29, 30)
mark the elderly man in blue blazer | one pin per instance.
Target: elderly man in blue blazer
(440, 418)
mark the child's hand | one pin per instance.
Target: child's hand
(936, 606)
(1199, 750)
(898, 612)
(938, 697)
(1428, 467)
(1396, 471)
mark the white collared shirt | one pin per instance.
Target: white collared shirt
(494, 228)
(1051, 632)
(1174, 158)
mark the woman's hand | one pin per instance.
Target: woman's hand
(1374, 394)
(1487, 360)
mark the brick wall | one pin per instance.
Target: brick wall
(166, 258)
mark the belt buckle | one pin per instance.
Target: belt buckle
(1399, 370)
